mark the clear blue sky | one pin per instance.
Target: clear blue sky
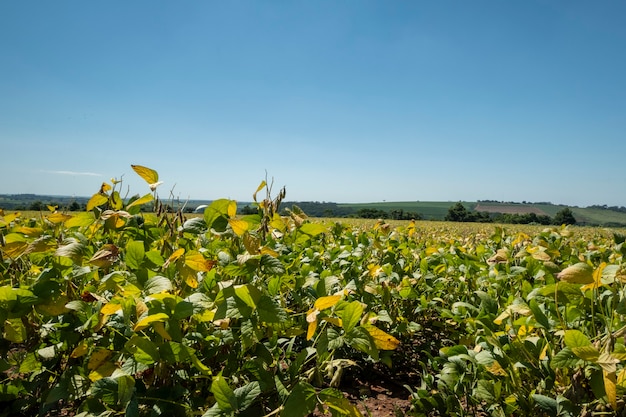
(347, 101)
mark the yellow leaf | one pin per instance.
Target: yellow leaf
(496, 369)
(177, 254)
(269, 251)
(189, 275)
(80, 220)
(140, 201)
(160, 329)
(58, 218)
(259, 188)
(15, 249)
(610, 388)
(147, 321)
(110, 308)
(323, 303)
(80, 350)
(311, 329)
(54, 307)
(96, 200)
(239, 226)
(232, 208)
(334, 320)
(197, 262)
(382, 340)
(98, 357)
(30, 231)
(106, 369)
(149, 175)
(104, 188)
(597, 278)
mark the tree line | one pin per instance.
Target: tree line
(459, 213)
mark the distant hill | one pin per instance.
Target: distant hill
(428, 210)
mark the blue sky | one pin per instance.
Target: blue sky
(347, 101)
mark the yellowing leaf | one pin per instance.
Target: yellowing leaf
(140, 201)
(80, 350)
(189, 275)
(496, 369)
(98, 357)
(160, 329)
(197, 262)
(259, 188)
(80, 220)
(334, 320)
(147, 321)
(382, 340)
(597, 278)
(323, 303)
(232, 208)
(110, 308)
(239, 226)
(55, 306)
(174, 256)
(96, 200)
(15, 249)
(610, 388)
(103, 371)
(311, 329)
(579, 273)
(149, 175)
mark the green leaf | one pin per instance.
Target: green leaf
(248, 294)
(224, 395)
(575, 339)
(540, 317)
(157, 284)
(195, 225)
(247, 394)
(270, 312)
(313, 229)
(351, 315)
(143, 350)
(82, 219)
(547, 404)
(216, 210)
(134, 254)
(564, 359)
(301, 402)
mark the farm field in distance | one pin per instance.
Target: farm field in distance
(117, 311)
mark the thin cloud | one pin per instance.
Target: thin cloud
(89, 174)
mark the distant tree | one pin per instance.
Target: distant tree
(457, 213)
(36, 206)
(564, 216)
(249, 210)
(74, 206)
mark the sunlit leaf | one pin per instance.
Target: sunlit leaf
(141, 201)
(197, 262)
(383, 340)
(328, 301)
(313, 229)
(580, 273)
(259, 188)
(610, 387)
(82, 219)
(147, 321)
(351, 315)
(149, 175)
(223, 394)
(239, 226)
(97, 200)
